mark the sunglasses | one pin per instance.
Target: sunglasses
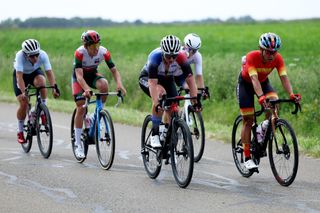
(192, 50)
(270, 52)
(169, 56)
(33, 56)
(94, 46)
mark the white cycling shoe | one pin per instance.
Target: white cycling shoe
(155, 141)
(249, 164)
(79, 151)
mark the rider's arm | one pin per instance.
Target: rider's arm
(80, 79)
(192, 86)
(153, 82)
(51, 77)
(286, 84)
(256, 85)
(198, 70)
(20, 81)
(117, 77)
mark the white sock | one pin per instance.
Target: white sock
(20, 125)
(44, 101)
(78, 132)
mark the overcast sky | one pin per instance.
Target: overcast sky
(161, 11)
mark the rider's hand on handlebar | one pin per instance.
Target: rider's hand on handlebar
(263, 101)
(87, 93)
(295, 97)
(56, 91)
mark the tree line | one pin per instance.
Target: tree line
(46, 22)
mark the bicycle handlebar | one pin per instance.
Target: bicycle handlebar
(119, 94)
(31, 87)
(202, 91)
(164, 99)
(274, 102)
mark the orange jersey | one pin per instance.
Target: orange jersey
(254, 65)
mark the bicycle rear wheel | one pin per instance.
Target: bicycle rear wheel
(105, 140)
(283, 153)
(44, 130)
(237, 149)
(151, 161)
(181, 150)
(73, 139)
(28, 134)
(198, 134)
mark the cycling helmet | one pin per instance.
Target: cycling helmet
(170, 45)
(30, 47)
(90, 37)
(270, 41)
(192, 41)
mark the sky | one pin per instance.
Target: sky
(161, 11)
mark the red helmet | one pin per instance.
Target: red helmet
(90, 37)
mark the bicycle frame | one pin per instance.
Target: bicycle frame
(99, 106)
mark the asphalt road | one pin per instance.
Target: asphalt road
(30, 183)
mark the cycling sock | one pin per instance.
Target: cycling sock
(20, 125)
(155, 124)
(246, 150)
(78, 132)
(44, 101)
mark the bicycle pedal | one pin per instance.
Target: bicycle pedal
(255, 170)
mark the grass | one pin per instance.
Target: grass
(223, 45)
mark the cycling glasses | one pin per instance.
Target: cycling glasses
(190, 50)
(169, 56)
(270, 52)
(34, 55)
(94, 46)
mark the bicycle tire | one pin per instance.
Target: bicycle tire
(28, 135)
(198, 135)
(73, 140)
(181, 152)
(280, 153)
(105, 140)
(151, 162)
(237, 149)
(44, 130)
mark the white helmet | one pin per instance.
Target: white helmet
(192, 41)
(30, 47)
(170, 44)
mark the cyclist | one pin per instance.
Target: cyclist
(86, 76)
(192, 44)
(253, 80)
(157, 78)
(27, 70)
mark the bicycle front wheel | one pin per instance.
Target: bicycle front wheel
(182, 156)
(197, 130)
(105, 140)
(151, 162)
(283, 153)
(44, 130)
(237, 148)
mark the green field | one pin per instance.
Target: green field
(222, 48)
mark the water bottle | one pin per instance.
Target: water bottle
(32, 115)
(88, 120)
(261, 129)
(162, 131)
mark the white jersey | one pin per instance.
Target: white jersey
(196, 59)
(22, 63)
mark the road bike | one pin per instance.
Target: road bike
(100, 131)
(281, 140)
(176, 146)
(195, 122)
(38, 123)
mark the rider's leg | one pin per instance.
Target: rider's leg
(103, 87)
(246, 135)
(40, 81)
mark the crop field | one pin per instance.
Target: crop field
(223, 45)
